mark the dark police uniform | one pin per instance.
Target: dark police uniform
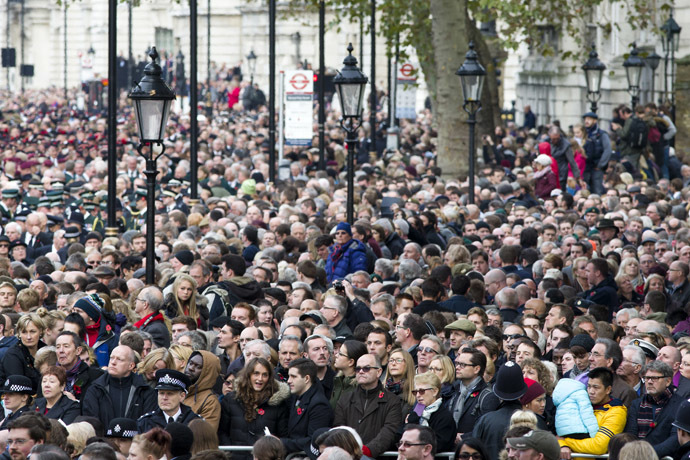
(168, 379)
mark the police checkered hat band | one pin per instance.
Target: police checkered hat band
(122, 428)
(18, 389)
(170, 379)
(18, 384)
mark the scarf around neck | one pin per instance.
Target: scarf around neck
(428, 412)
(650, 407)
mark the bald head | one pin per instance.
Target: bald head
(536, 306)
(494, 280)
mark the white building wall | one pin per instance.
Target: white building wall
(557, 91)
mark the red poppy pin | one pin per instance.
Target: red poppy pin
(108, 328)
(299, 411)
(475, 394)
(260, 411)
(381, 395)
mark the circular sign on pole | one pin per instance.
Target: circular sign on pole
(299, 81)
(406, 70)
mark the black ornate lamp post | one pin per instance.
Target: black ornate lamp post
(152, 99)
(670, 42)
(472, 76)
(652, 62)
(633, 70)
(251, 63)
(350, 83)
(594, 70)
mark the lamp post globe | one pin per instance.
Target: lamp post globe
(251, 63)
(671, 30)
(152, 98)
(472, 75)
(349, 84)
(594, 71)
(633, 71)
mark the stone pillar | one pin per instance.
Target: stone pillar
(683, 107)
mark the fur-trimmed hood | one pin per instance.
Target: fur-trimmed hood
(281, 395)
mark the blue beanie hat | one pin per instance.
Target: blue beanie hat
(344, 226)
(89, 306)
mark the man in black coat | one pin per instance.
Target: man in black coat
(473, 396)
(651, 416)
(604, 290)
(172, 389)
(120, 392)
(458, 303)
(509, 388)
(679, 286)
(309, 408)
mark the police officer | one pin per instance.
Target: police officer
(17, 392)
(121, 431)
(172, 389)
(682, 423)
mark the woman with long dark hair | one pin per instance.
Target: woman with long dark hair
(259, 403)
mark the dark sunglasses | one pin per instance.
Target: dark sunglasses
(421, 391)
(467, 456)
(428, 350)
(512, 337)
(365, 369)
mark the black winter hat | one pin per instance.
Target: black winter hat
(583, 340)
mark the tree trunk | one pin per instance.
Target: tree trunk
(490, 115)
(450, 44)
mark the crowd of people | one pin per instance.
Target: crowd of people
(545, 317)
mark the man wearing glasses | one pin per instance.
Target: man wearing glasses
(24, 432)
(651, 416)
(473, 396)
(374, 412)
(429, 348)
(417, 443)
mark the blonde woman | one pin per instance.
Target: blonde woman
(19, 359)
(427, 390)
(444, 368)
(400, 376)
(580, 276)
(160, 358)
(54, 322)
(180, 356)
(78, 434)
(182, 301)
(631, 267)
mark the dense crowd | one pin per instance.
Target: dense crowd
(545, 317)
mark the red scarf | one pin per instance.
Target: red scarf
(92, 332)
(143, 322)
